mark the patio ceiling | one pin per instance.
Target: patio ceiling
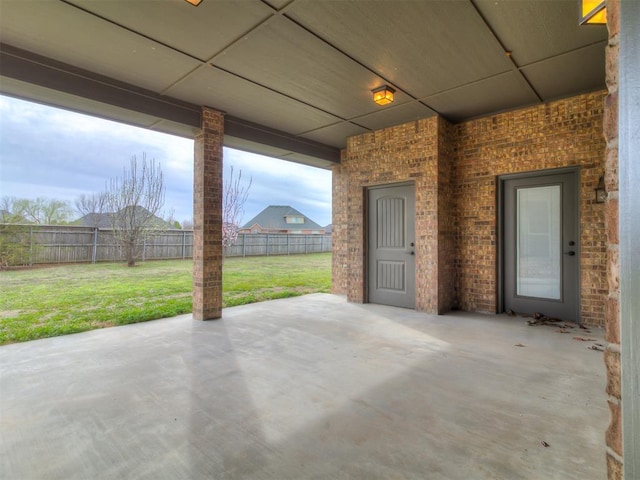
(295, 76)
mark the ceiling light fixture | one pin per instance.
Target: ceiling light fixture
(195, 3)
(383, 95)
(593, 12)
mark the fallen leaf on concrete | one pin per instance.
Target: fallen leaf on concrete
(596, 347)
(561, 330)
(544, 444)
(518, 345)
(582, 339)
(511, 313)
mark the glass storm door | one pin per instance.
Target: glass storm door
(541, 252)
(391, 236)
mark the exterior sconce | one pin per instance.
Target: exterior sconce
(195, 3)
(593, 12)
(383, 95)
(601, 192)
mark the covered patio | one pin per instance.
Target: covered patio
(309, 387)
(492, 98)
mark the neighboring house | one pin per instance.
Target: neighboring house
(281, 219)
(100, 220)
(103, 220)
(328, 228)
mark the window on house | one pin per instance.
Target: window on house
(294, 219)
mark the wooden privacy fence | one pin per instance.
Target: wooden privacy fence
(72, 244)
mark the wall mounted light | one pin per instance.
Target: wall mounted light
(601, 192)
(383, 95)
(195, 3)
(593, 12)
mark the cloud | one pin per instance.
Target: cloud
(54, 153)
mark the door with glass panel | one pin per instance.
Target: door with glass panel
(540, 248)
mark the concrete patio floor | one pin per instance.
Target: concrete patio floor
(306, 388)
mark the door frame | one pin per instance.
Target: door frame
(500, 243)
(365, 211)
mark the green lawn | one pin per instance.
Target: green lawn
(45, 302)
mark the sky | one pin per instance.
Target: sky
(58, 154)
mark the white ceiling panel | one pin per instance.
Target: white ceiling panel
(211, 26)
(422, 46)
(503, 92)
(67, 34)
(538, 29)
(285, 57)
(395, 115)
(578, 71)
(335, 135)
(223, 91)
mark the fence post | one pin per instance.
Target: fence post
(305, 244)
(184, 244)
(267, 244)
(144, 248)
(288, 237)
(31, 246)
(244, 245)
(94, 250)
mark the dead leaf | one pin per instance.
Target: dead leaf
(582, 339)
(518, 345)
(596, 347)
(544, 444)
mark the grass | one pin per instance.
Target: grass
(51, 301)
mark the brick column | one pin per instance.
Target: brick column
(613, 434)
(207, 217)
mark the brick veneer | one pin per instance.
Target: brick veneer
(613, 435)
(407, 152)
(455, 170)
(207, 215)
(558, 134)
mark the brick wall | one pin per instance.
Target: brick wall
(207, 215)
(558, 134)
(447, 218)
(403, 153)
(455, 169)
(613, 434)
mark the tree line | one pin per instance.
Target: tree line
(131, 202)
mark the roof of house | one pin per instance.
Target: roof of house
(103, 220)
(274, 218)
(100, 220)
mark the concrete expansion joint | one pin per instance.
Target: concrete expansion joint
(613, 347)
(614, 455)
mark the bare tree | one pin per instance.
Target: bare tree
(134, 201)
(91, 206)
(187, 224)
(234, 197)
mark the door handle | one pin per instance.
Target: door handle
(571, 253)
